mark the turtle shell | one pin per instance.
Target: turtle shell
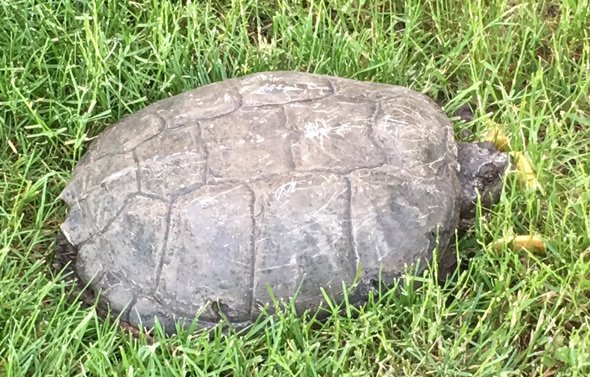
(273, 186)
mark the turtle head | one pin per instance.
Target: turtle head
(481, 169)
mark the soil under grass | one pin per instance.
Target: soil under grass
(70, 68)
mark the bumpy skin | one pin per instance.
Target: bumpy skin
(198, 204)
(481, 169)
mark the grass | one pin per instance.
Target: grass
(69, 68)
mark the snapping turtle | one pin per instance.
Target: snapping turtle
(204, 203)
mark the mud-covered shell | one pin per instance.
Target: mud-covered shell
(203, 203)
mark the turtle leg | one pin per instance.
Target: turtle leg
(64, 259)
(447, 263)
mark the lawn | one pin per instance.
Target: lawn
(69, 68)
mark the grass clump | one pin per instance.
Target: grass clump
(69, 68)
